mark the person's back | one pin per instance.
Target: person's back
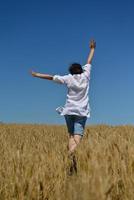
(77, 101)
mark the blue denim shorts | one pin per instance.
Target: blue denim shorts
(75, 124)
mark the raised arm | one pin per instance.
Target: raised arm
(91, 54)
(43, 76)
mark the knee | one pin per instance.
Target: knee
(77, 139)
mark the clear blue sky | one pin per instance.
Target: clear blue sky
(49, 35)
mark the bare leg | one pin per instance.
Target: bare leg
(72, 144)
(77, 138)
(74, 140)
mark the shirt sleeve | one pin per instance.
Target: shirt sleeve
(61, 79)
(87, 69)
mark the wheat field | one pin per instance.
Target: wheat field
(34, 163)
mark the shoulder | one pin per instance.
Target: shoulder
(84, 67)
(86, 70)
(61, 79)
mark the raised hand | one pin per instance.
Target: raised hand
(91, 54)
(92, 44)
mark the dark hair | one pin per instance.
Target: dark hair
(75, 68)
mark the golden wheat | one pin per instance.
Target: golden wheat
(34, 163)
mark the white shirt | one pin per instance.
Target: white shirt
(77, 102)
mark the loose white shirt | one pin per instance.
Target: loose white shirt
(77, 101)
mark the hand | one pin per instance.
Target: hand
(92, 44)
(33, 74)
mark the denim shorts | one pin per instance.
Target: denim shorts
(75, 124)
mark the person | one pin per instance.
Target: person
(76, 109)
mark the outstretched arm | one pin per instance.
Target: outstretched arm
(91, 54)
(44, 76)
